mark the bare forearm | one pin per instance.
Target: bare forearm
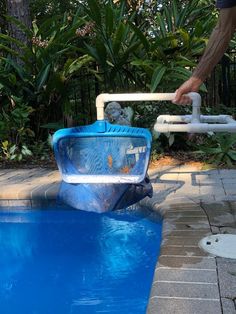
(217, 44)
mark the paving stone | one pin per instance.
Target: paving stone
(186, 233)
(197, 275)
(228, 306)
(181, 251)
(229, 180)
(216, 206)
(208, 198)
(227, 277)
(192, 225)
(219, 214)
(159, 187)
(9, 191)
(24, 191)
(19, 203)
(9, 174)
(229, 198)
(172, 176)
(230, 188)
(222, 219)
(40, 191)
(191, 214)
(188, 190)
(183, 219)
(215, 230)
(228, 230)
(41, 203)
(183, 306)
(208, 180)
(233, 206)
(4, 203)
(52, 191)
(183, 241)
(179, 204)
(21, 175)
(3, 171)
(227, 173)
(212, 190)
(187, 262)
(185, 290)
(173, 226)
(185, 177)
(160, 198)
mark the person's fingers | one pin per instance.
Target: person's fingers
(185, 100)
(191, 85)
(178, 95)
(181, 98)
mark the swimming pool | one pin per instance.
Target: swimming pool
(61, 261)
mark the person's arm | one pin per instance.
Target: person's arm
(217, 45)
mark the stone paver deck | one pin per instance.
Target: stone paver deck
(193, 203)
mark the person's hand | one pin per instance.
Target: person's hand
(191, 85)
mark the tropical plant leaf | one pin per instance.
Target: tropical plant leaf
(94, 11)
(109, 20)
(43, 76)
(157, 77)
(119, 38)
(78, 63)
(232, 155)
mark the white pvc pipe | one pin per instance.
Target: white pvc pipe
(217, 119)
(195, 123)
(172, 123)
(103, 98)
(173, 119)
(195, 127)
(220, 119)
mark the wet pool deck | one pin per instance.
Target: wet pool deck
(194, 203)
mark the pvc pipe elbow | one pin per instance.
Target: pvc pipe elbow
(100, 103)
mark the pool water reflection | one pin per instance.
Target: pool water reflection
(70, 261)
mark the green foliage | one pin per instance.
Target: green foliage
(41, 150)
(43, 77)
(220, 149)
(175, 38)
(102, 45)
(44, 9)
(114, 42)
(147, 112)
(10, 151)
(14, 121)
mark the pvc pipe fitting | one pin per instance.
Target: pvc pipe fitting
(103, 98)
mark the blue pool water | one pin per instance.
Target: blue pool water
(67, 261)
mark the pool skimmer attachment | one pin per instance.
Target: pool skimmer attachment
(222, 245)
(194, 123)
(116, 154)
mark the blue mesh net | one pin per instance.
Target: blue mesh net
(103, 155)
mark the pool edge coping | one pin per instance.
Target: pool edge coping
(209, 305)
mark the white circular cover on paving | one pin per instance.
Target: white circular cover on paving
(223, 245)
